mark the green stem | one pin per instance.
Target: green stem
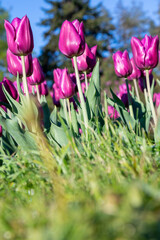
(25, 85)
(129, 100)
(38, 93)
(65, 109)
(86, 80)
(136, 89)
(145, 92)
(83, 105)
(69, 110)
(150, 97)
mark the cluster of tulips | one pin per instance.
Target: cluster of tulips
(19, 59)
(138, 68)
(66, 85)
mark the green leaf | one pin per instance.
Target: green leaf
(23, 138)
(58, 134)
(74, 119)
(157, 131)
(93, 96)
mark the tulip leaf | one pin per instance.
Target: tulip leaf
(124, 114)
(23, 138)
(93, 96)
(53, 116)
(58, 134)
(157, 131)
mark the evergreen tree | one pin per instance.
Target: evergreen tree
(131, 21)
(98, 29)
(3, 43)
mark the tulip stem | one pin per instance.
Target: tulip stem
(86, 80)
(69, 110)
(150, 97)
(38, 93)
(65, 109)
(83, 105)
(145, 92)
(129, 100)
(25, 85)
(136, 88)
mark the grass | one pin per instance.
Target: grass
(109, 189)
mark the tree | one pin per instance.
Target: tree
(3, 43)
(131, 21)
(98, 29)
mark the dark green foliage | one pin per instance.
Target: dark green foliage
(3, 43)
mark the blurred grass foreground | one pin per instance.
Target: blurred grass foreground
(110, 191)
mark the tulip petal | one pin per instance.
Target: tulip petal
(69, 40)
(15, 23)
(152, 55)
(94, 50)
(138, 51)
(11, 36)
(24, 37)
(67, 87)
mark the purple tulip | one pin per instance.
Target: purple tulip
(145, 51)
(9, 86)
(71, 100)
(56, 76)
(71, 39)
(43, 89)
(142, 80)
(156, 99)
(122, 64)
(19, 36)
(136, 73)
(87, 60)
(1, 131)
(15, 64)
(123, 95)
(123, 88)
(112, 112)
(37, 76)
(56, 95)
(67, 87)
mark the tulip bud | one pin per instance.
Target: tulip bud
(56, 76)
(123, 89)
(156, 99)
(71, 100)
(9, 86)
(67, 87)
(71, 39)
(87, 60)
(57, 95)
(112, 112)
(37, 76)
(19, 36)
(122, 64)
(145, 51)
(15, 64)
(43, 89)
(123, 95)
(136, 73)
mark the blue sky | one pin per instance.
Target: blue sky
(33, 9)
